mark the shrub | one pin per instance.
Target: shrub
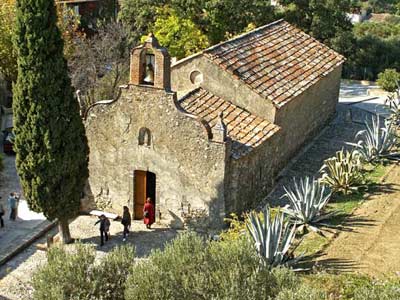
(190, 268)
(237, 228)
(389, 80)
(272, 238)
(302, 292)
(308, 199)
(110, 275)
(378, 291)
(376, 142)
(292, 287)
(65, 276)
(75, 275)
(342, 173)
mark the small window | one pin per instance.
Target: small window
(196, 77)
(144, 137)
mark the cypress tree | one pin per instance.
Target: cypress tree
(51, 146)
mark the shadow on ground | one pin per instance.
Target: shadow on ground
(144, 241)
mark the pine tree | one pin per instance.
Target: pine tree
(51, 147)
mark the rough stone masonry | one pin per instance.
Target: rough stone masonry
(208, 135)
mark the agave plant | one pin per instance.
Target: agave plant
(393, 100)
(272, 238)
(376, 141)
(308, 198)
(342, 173)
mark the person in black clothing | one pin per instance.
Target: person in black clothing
(104, 228)
(126, 221)
(1, 215)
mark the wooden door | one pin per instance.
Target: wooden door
(140, 192)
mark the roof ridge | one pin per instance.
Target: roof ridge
(227, 41)
(243, 35)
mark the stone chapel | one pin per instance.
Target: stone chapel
(207, 135)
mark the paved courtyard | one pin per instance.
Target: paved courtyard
(15, 275)
(28, 223)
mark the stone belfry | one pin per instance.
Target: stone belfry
(151, 65)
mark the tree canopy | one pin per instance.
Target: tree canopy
(8, 58)
(51, 147)
(181, 36)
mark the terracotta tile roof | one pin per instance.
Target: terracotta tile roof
(246, 130)
(277, 60)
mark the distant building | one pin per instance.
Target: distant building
(208, 135)
(91, 10)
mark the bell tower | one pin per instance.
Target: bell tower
(151, 65)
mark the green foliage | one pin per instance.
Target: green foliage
(138, 16)
(272, 238)
(308, 198)
(382, 29)
(302, 292)
(181, 36)
(353, 286)
(76, 275)
(190, 268)
(292, 287)
(206, 20)
(323, 19)
(226, 18)
(377, 47)
(389, 80)
(51, 147)
(378, 291)
(65, 276)
(8, 56)
(342, 173)
(237, 228)
(376, 142)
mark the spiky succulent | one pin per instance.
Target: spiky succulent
(393, 101)
(376, 141)
(308, 198)
(342, 172)
(272, 238)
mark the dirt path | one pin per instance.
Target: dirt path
(371, 243)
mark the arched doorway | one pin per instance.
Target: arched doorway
(144, 187)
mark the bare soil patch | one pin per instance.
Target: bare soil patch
(371, 244)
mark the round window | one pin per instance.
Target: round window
(196, 77)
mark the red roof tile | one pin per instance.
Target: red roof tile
(246, 130)
(278, 60)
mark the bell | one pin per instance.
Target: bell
(149, 78)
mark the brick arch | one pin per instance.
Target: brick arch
(162, 72)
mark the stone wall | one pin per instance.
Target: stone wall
(220, 83)
(189, 167)
(252, 177)
(303, 116)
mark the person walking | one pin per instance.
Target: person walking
(12, 205)
(104, 228)
(126, 221)
(148, 213)
(2, 212)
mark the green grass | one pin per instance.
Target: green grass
(311, 244)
